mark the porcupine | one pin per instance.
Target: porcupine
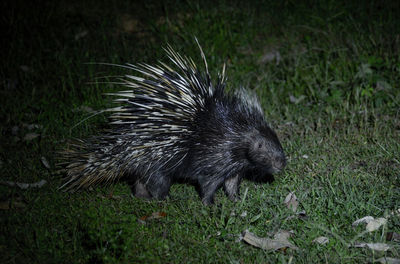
(175, 124)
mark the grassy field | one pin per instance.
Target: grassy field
(327, 74)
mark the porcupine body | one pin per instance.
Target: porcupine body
(174, 123)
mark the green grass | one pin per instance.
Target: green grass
(342, 137)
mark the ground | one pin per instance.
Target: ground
(327, 75)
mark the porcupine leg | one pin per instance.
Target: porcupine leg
(231, 187)
(140, 191)
(158, 185)
(208, 188)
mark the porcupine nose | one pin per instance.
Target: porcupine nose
(279, 163)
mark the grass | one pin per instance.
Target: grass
(333, 98)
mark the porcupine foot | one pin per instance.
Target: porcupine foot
(158, 186)
(231, 187)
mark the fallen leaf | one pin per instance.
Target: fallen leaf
(154, 215)
(376, 224)
(30, 136)
(24, 186)
(321, 240)
(272, 55)
(283, 235)
(31, 126)
(81, 34)
(374, 246)
(386, 260)
(291, 201)
(295, 100)
(45, 162)
(267, 243)
(365, 219)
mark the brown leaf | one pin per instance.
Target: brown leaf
(376, 224)
(291, 201)
(321, 240)
(155, 215)
(280, 242)
(374, 246)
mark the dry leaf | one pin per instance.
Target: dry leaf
(24, 186)
(30, 136)
(295, 100)
(81, 34)
(272, 55)
(374, 246)
(376, 224)
(267, 243)
(283, 235)
(45, 162)
(365, 219)
(385, 260)
(291, 201)
(31, 126)
(321, 240)
(154, 215)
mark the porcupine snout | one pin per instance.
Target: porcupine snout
(278, 162)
